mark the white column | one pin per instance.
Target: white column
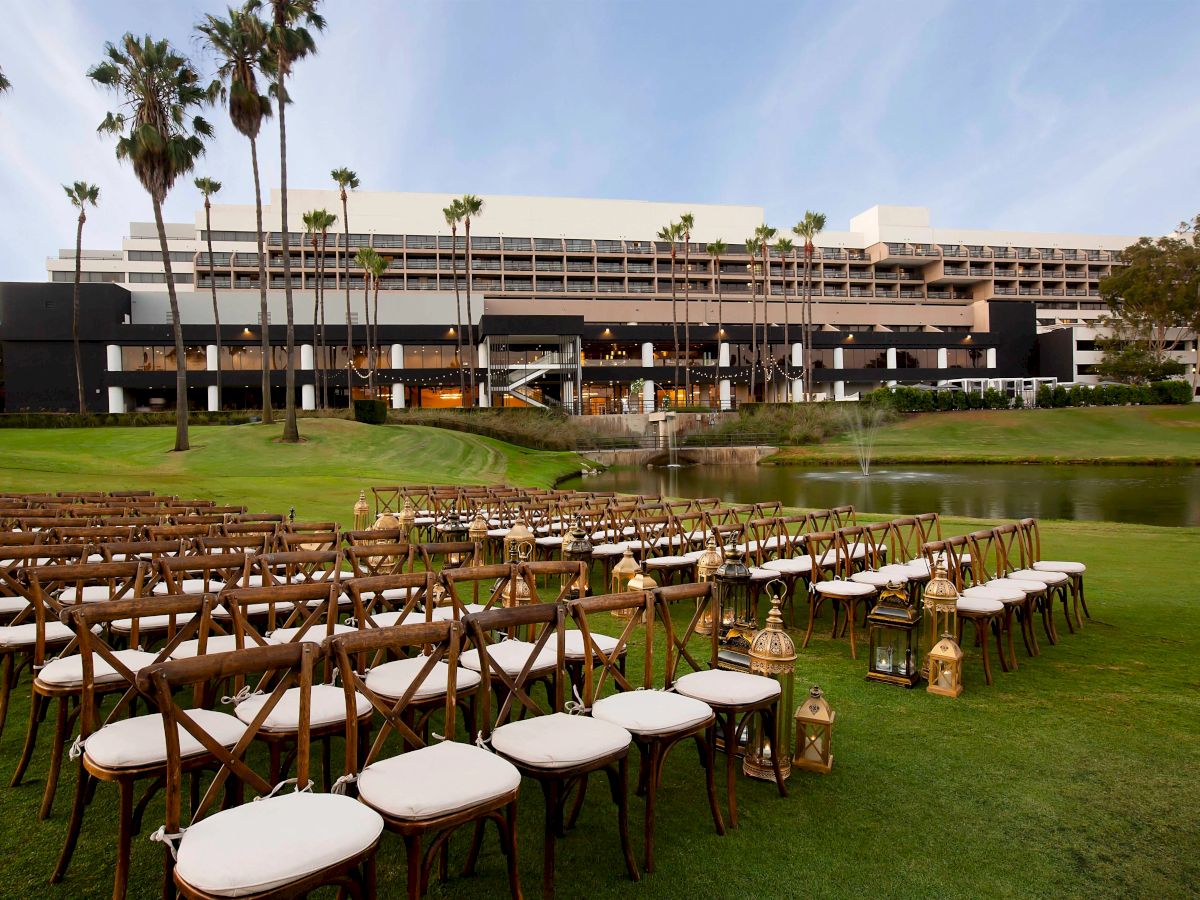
(308, 392)
(647, 396)
(891, 364)
(113, 352)
(210, 363)
(485, 397)
(397, 395)
(797, 364)
(568, 395)
(943, 358)
(116, 395)
(397, 356)
(648, 354)
(839, 387)
(990, 361)
(723, 386)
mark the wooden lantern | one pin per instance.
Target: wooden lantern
(814, 734)
(945, 668)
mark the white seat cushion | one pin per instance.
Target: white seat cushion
(68, 671)
(666, 562)
(92, 593)
(327, 705)
(255, 847)
(152, 623)
(437, 780)
(979, 605)
(315, 635)
(1052, 578)
(694, 555)
(253, 609)
(844, 588)
(652, 712)
(559, 740)
(608, 549)
(446, 613)
(26, 635)
(722, 688)
(575, 649)
(497, 532)
(190, 586)
(511, 656)
(1059, 565)
(12, 605)
(1003, 594)
(883, 577)
(141, 741)
(799, 565)
(216, 643)
(394, 617)
(1027, 585)
(759, 573)
(549, 541)
(393, 678)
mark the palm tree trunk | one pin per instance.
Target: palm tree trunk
(470, 363)
(316, 337)
(75, 312)
(720, 326)
(375, 339)
(674, 325)
(212, 280)
(808, 352)
(687, 320)
(787, 344)
(367, 317)
(768, 369)
(291, 431)
(267, 417)
(181, 399)
(753, 329)
(458, 331)
(324, 358)
(349, 318)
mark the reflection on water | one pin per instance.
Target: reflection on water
(1155, 495)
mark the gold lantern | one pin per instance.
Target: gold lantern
(406, 520)
(814, 734)
(773, 655)
(437, 596)
(518, 588)
(577, 547)
(895, 638)
(478, 533)
(640, 581)
(941, 604)
(706, 567)
(945, 667)
(623, 572)
(518, 534)
(362, 512)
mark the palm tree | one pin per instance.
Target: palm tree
(765, 235)
(344, 179)
(5, 84)
(326, 221)
(716, 249)
(807, 229)
(671, 233)
(686, 223)
(159, 88)
(239, 43)
(288, 40)
(312, 229)
(786, 248)
(365, 260)
(454, 214)
(752, 251)
(472, 206)
(81, 194)
(208, 187)
(379, 265)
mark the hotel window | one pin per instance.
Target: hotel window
(162, 358)
(159, 277)
(905, 328)
(182, 256)
(822, 358)
(966, 357)
(251, 236)
(429, 356)
(916, 359)
(89, 277)
(864, 358)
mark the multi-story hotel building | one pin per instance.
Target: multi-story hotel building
(571, 304)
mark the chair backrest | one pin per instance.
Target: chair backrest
(497, 583)
(907, 540)
(676, 642)
(95, 534)
(844, 516)
(310, 608)
(653, 533)
(147, 550)
(379, 559)
(851, 539)
(1014, 552)
(546, 621)
(218, 571)
(987, 556)
(766, 535)
(561, 575)
(372, 594)
(52, 589)
(882, 537)
(380, 537)
(823, 520)
(242, 543)
(767, 509)
(947, 554)
(1032, 538)
(441, 555)
(310, 540)
(599, 666)
(829, 562)
(299, 567)
(176, 532)
(930, 525)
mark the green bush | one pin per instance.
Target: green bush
(126, 420)
(370, 412)
(1172, 391)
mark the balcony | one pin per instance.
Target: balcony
(605, 286)
(518, 284)
(607, 267)
(549, 265)
(912, 295)
(1005, 291)
(1004, 253)
(926, 250)
(979, 252)
(611, 247)
(639, 267)
(485, 243)
(552, 285)
(832, 273)
(578, 265)
(953, 252)
(954, 270)
(578, 246)
(1029, 291)
(978, 272)
(1076, 292)
(547, 245)
(886, 276)
(421, 242)
(518, 244)
(485, 265)
(860, 274)
(518, 265)
(833, 291)
(641, 287)
(638, 247)
(580, 287)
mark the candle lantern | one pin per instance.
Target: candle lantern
(622, 575)
(945, 667)
(639, 582)
(406, 519)
(895, 638)
(362, 512)
(518, 534)
(706, 567)
(578, 548)
(518, 588)
(455, 529)
(738, 622)
(941, 604)
(478, 533)
(772, 654)
(814, 734)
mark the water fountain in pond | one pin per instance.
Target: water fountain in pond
(862, 425)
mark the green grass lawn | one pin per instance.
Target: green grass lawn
(1074, 776)
(1086, 435)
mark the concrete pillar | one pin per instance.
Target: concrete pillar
(943, 358)
(308, 392)
(797, 365)
(891, 357)
(568, 395)
(723, 354)
(647, 355)
(839, 387)
(990, 360)
(647, 396)
(397, 395)
(113, 354)
(723, 393)
(211, 361)
(484, 398)
(397, 356)
(483, 355)
(116, 395)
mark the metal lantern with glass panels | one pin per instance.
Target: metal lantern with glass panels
(622, 574)
(895, 638)
(814, 734)
(706, 568)
(477, 534)
(738, 622)
(945, 667)
(406, 519)
(455, 529)
(773, 655)
(517, 591)
(362, 512)
(941, 604)
(577, 547)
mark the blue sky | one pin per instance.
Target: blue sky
(1020, 115)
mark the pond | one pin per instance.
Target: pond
(1153, 495)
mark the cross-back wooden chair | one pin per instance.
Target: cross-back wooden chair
(557, 749)
(187, 533)
(124, 748)
(246, 518)
(1032, 538)
(126, 551)
(988, 555)
(60, 681)
(444, 555)
(213, 521)
(299, 567)
(206, 573)
(249, 544)
(766, 509)
(830, 581)
(429, 789)
(844, 516)
(474, 589)
(96, 534)
(269, 531)
(384, 537)
(289, 843)
(381, 601)
(1016, 564)
(379, 559)
(986, 614)
(309, 540)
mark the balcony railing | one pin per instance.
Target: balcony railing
(954, 270)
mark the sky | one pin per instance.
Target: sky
(1041, 116)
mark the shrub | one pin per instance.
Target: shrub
(370, 412)
(1172, 391)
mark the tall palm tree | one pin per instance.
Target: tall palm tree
(807, 229)
(454, 214)
(344, 178)
(157, 133)
(472, 207)
(379, 265)
(365, 259)
(716, 249)
(312, 229)
(289, 39)
(5, 84)
(687, 222)
(765, 235)
(752, 247)
(208, 187)
(786, 248)
(671, 233)
(326, 221)
(239, 43)
(82, 195)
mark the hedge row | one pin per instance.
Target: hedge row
(911, 400)
(127, 420)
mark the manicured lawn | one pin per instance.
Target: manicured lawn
(1074, 776)
(1100, 434)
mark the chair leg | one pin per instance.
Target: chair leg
(850, 611)
(36, 701)
(1083, 598)
(655, 764)
(412, 852)
(707, 746)
(6, 686)
(1061, 590)
(982, 639)
(124, 839)
(476, 844)
(813, 607)
(618, 783)
(997, 629)
(577, 806)
(510, 847)
(729, 721)
(56, 755)
(772, 727)
(368, 876)
(74, 826)
(551, 789)
(1048, 619)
